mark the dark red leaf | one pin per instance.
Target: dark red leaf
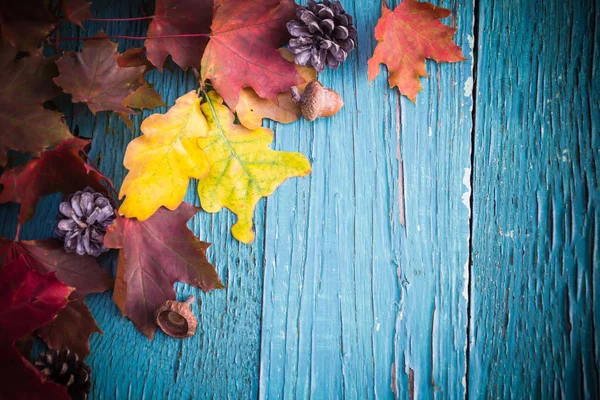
(25, 85)
(72, 328)
(94, 77)
(243, 49)
(58, 170)
(77, 11)
(81, 272)
(154, 255)
(28, 300)
(25, 23)
(177, 17)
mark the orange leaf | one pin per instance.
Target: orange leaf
(406, 37)
(251, 109)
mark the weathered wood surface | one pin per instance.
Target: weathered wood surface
(371, 278)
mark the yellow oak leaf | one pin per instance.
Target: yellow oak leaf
(162, 161)
(251, 109)
(243, 168)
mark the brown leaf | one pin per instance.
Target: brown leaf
(154, 255)
(145, 97)
(25, 85)
(94, 77)
(72, 328)
(25, 23)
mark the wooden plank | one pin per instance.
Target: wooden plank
(356, 305)
(536, 202)
(221, 360)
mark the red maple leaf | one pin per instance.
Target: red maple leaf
(58, 170)
(79, 272)
(25, 85)
(94, 77)
(28, 300)
(154, 255)
(25, 23)
(77, 11)
(406, 37)
(243, 49)
(179, 17)
(134, 57)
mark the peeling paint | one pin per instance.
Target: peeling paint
(468, 88)
(466, 196)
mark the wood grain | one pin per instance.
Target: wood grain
(536, 202)
(371, 278)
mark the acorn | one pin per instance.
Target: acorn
(176, 318)
(317, 101)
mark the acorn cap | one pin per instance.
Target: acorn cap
(317, 101)
(176, 318)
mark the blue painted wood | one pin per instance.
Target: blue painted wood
(536, 202)
(358, 284)
(356, 305)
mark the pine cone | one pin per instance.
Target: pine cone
(65, 368)
(322, 35)
(83, 219)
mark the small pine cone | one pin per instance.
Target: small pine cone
(82, 222)
(66, 369)
(322, 35)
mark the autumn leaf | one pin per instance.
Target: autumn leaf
(94, 77)
(28, 300)
(145, 97)
(179, 17)
(162, 161)
(58, 170)
(71, 328)
(79, 272)
(25, 85)
(76, 11)
(243, 49)
(406, 37)
(25, 23)
(154, 255)
(134, 57)
(251, 109)
(243, 168)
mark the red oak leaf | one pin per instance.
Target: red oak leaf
(243, 49)
(80, 272)
(77, 11)
(179, 17)
(94, 77)
(406, 37)
(28, 300)
(61, 169)
(25, 85)
(25, 23)
(154, 255)
(72, 328)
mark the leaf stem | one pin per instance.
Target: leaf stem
(16, 239)
(137, 37)
(121, 19)
(108, 182)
